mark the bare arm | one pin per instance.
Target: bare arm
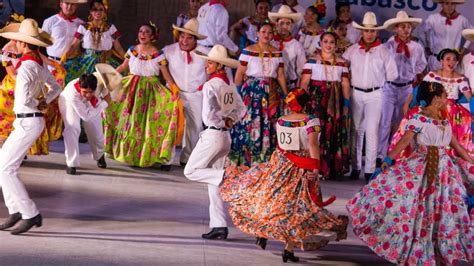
(314, 149)
(282, 80)
(123, 67)
(239, 75)
(468, 95)
(305, 78)
(72, 47)
(118, 48)
(167, 75)
(399, 147)
(406, 105)
(461, 151)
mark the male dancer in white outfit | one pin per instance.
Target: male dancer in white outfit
(62, 27)
(85, 99)
(30, 99)
(213, 19)
(410, 59)
(371, 65)
(222, 108)
(188, 73)
(295, 8)
(443, 30)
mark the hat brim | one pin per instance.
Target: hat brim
(75, 1)
(42, 39)
(468, 34)
(360, 27)
(274, 16)
(449, 1)
(109, 77)
(225, 61)
(197, 35)
(392, 23)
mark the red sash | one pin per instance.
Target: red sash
(93, 100)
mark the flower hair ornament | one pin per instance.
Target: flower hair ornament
(292, 100)
(320, 6)
(157, 31)
(17, 17)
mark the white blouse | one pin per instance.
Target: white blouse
(324, 70)
(453, 86)
(468, 67)
(144, 65)
(304, 128)
(430, 132)
(251, 32)
(259, 67)
(310, 41)
(106, 40)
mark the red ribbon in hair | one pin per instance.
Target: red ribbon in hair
(402, 46)
(292, 101)
(94, 101)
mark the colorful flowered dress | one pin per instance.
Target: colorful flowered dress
(94, 53)
(310, 41)
(275, 199)
(458, 116)
(415, 213)
(53, 122)
(254, 137)
(327, 104)
(142, 128)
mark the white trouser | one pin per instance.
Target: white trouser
(72, 130)
(192, 103)
(26, 132)
(206, 165)
(394, 98)
(366, 113)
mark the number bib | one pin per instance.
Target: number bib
(288, 138)
(227, 98)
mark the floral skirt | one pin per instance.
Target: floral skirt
(326, 104)
(143, 127)
(272, 200)
(53, 122)
(254, 137)
(85, 63)
(408, 221)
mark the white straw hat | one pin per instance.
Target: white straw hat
(109, 78)
(27, 31)
(468, 34)
(402, 17)
(284, 12)
(218, 54)
(368, 23)
(191, 27)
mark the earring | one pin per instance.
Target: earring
(104, 19)
(89, 18)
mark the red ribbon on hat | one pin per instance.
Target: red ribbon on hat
(402, 46)
(94, 101)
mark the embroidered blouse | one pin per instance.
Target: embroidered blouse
(265, 66)
(430, 132)
(453, 86)
(326, 71)
(144, 65)
(106, 40)
(305, 127)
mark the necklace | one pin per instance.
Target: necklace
(266, 64)
(96, 32)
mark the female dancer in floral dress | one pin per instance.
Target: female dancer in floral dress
(310, 34)
(254, 137)
(414, 213)
(280, 199)
(143, 127)
(326, 78)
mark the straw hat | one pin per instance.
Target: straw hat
(109, 78)
(449, 1)
(402, 17)
(368, 23)
(218, 54)
(191, 27)
(75, 1)
(27, 31)
(468, 34)
(284, 12)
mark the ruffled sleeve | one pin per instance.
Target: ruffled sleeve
(312, 126)
(464, 85)
(308, 67)
(162, 58)
(415, 124)
(345, 70)
(113, 31)
(244, 57)
(129, 52)
(81, 30)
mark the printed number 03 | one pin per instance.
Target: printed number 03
(285, 138)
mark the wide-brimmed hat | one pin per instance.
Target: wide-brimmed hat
(468, 34)
(449, 1)
(402, 17)
(108, 77)
(191, 27)
(218, 54)
(368, 23)
(284, 12)
(27, 31)
(75, 1)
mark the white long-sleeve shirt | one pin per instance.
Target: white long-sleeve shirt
(221, 100)
(408, 68)
(294, 57)
(468, 68)
(190, 76)
(62, 31)
(214, 23)
(84, 109)
(370, 69)
(32, 81)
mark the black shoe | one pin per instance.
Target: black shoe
(165, 167)
(217, 233)
(11, 221)
(101, 162)
(26, 225)
(289, 256)
(378, 163)
(71, 170)
(367, 177)
(261, 242)
(83, 138)
(355, 175)
(183, 164)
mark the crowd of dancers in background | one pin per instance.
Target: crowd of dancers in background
(305, 102)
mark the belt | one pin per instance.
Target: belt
(55, 58)
(215, 128)
(26, 115)
(401, 84)
(366, 90)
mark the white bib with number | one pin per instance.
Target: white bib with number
(288, 138)
(228, 98)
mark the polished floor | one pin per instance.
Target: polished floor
(133, 216)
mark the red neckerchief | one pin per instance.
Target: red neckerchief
(282, 41)
(33, 56)
(70, 18)
(402, 46)
(449, 18)
(346, 21)
(189, 59)
(93, 100)
(222, 76)
(367, 47)
(216, 2)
